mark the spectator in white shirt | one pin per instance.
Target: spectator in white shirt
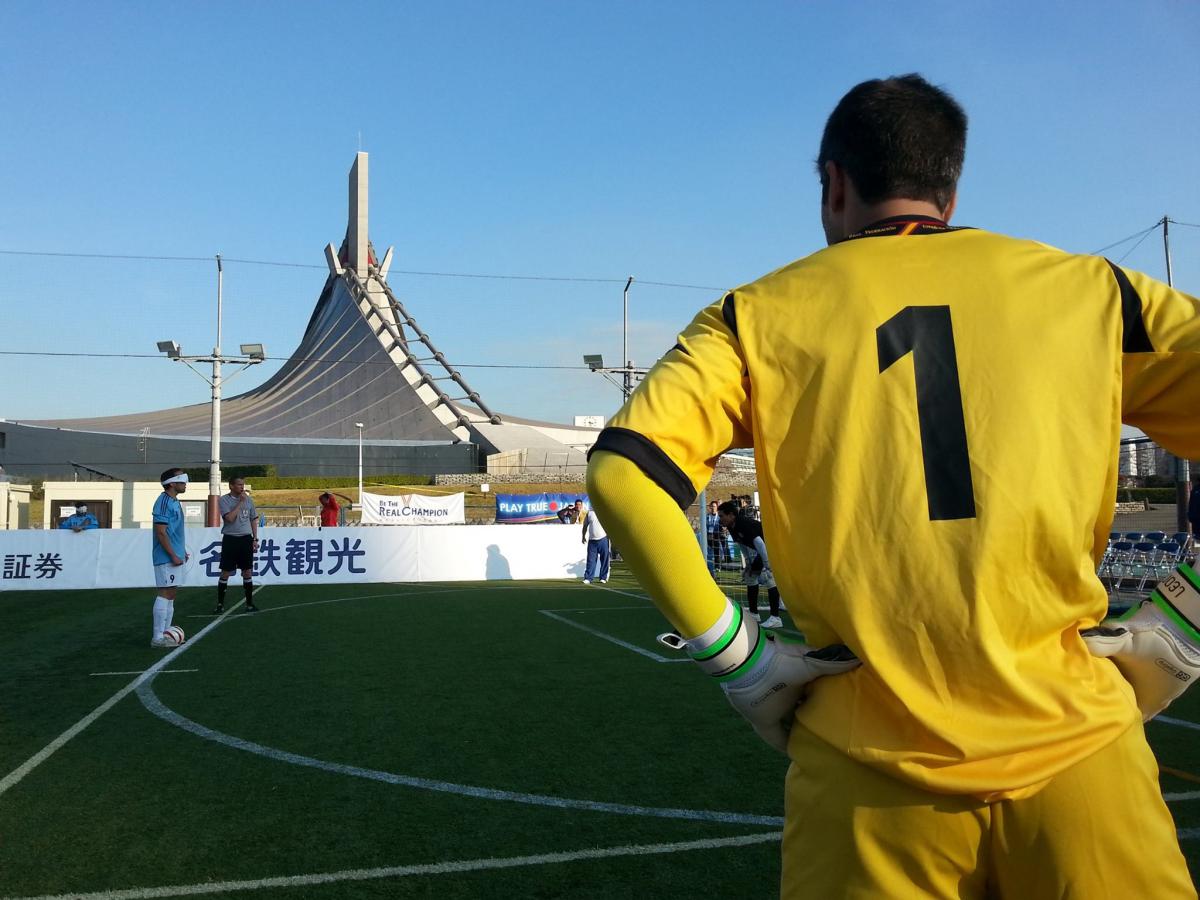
(598, 552)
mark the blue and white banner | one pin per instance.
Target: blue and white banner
(413, 509)
(112, 558)
(529, 509)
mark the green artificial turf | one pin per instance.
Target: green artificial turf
(534, 689)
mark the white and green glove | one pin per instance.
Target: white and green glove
(763, 674)
(1156, 645)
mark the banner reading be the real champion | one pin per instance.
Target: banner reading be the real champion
(413, 509)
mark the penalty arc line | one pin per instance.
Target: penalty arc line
(17, 775)
(444, 868)
(150, 700)
(155, 706)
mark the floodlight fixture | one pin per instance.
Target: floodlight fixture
(593, 361)
(255, 351)
(170, 348)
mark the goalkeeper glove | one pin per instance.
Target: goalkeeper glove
(763, 675)
(1156, 645)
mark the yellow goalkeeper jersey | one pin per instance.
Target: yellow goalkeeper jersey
(935, 414)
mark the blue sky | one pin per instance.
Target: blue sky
(668, 141)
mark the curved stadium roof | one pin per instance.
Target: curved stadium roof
(362, 359)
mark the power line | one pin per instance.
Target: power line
(292, 265)
(107, 256)
(306, 359)
(1142, 234)
(1135, 246)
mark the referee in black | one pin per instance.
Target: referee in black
(239, 541)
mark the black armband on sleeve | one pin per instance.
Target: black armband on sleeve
(1135, 339)
(646, 455)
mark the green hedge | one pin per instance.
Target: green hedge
(1154, 495)
(294, 482)
(200, 476)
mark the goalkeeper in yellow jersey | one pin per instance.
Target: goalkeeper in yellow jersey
(990, 744)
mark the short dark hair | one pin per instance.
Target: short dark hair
(898, 137)
(170, 473)
(729, 507)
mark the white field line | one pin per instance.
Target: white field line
(163, 672)
(1189, 834)
(155, 706)
(1182, 795)
(286, 606)
(18, 774)
(1167, 720)
(608, 637)
(442, 868)
(605, 587)
(646, 606)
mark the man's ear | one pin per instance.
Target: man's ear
(836, 196)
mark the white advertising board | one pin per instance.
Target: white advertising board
(113, 558)
(413, 509)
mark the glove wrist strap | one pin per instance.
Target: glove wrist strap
(730, 646)
(1178, 598)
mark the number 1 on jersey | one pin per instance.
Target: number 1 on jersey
(926, 333)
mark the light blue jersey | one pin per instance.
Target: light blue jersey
(168, 511)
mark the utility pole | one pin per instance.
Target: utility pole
(1182, 468)
(214, 464)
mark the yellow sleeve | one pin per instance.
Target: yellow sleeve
(659, 451)
(1161, 364)
(692, 407)
(656, 541)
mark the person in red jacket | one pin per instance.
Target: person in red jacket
(330, 510)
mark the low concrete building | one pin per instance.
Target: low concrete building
(115, 504)
(14, 504)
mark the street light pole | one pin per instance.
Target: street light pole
(214, 465)
(626, 362)
(252, 354)
(627, 370)
(359, 426)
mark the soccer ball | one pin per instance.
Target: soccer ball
(174, 634)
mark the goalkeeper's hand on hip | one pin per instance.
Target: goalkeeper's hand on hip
(765, 677)
(1156, 645)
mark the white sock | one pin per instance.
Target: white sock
(161, 605)
(170, 614)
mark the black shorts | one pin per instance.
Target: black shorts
(237, 552)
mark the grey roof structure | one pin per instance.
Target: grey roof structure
(362, 358)
(354, 364)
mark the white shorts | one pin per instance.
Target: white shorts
(168, 576)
